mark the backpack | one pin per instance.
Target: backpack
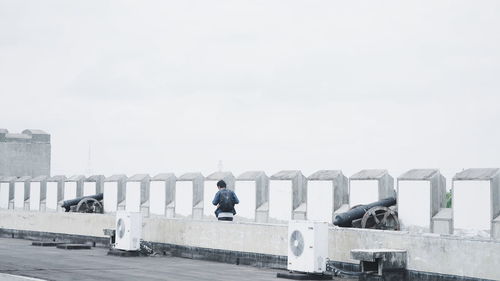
(226, 203)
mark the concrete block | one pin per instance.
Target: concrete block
(162, 195)
(495, 233)
(21, 192)
(470, 187)
(368, 186)
(43, 206)
(190, 187)
(330, 190)
(114, 193)
(300, 212)
(145, 209)
(170, 210)
(442, 222)
(121, 206)
(198, 211)
(93, 185)
(73, 187)
(55, 193)
(6, 191)
(227, 177)
(252, 188)
(287, 192)
(262, 213)
(38, 192)
(421, 194)
(137, 192)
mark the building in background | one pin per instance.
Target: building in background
(25, 154)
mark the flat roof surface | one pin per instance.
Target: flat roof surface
(18, 257)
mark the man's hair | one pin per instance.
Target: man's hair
(221, 183)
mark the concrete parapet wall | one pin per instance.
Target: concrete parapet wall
(277, 199)
(426, 252)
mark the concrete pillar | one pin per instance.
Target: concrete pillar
(286, 182)
(22, 193)
(137, 194)
(190, 185)
(93, 185)
(442, 222)
(368, 186)
(252, 188)
(38, 192)
(495, 232)
(73, 187)
(476, 200)
(210, 188)
(6, 192)
(421, 195)
(326, 190)
(114, 193)
(162, 195)
(55, 194)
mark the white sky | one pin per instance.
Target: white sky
(176, 86)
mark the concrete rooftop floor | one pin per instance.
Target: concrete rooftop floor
(18, 257)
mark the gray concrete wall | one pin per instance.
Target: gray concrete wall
(426, 252)
(26, 154)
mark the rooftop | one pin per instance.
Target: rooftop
(18, 257)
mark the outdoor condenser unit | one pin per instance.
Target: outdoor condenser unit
(128, 231)
(307, 246)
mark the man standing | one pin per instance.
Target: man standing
(225, 200)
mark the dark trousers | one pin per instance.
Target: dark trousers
(225, 219)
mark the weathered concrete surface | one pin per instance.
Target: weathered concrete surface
(137, 193)
(427, 178)
(471, 177)
(244, 237)
(385, 184)
(20, 258)
(93, 185)
(340, 189)
(162, 195)
(261, 186)
(26, 154)
(68, 223)
(299, 192)
(198, 187)
(114, 192)
(426, 252)
(442, 222)
(227, 177)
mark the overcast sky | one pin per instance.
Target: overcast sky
(176, 86)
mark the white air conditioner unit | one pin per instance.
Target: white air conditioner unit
(307, 246)
(128, 231)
